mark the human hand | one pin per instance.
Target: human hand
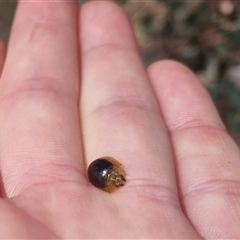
(182, 168)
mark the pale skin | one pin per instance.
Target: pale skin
(182, 168)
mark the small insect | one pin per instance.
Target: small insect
(106, 174)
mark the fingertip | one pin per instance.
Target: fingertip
(105, 23)
(172, 77)
(92, 7)
(169, 68)
(182, 98)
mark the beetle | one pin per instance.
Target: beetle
(106, 173)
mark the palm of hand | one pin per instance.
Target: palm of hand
(48, 213)
(182, 168)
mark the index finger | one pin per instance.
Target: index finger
(39, 93)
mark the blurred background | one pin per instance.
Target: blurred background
(203, 34)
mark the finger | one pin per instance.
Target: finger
(39, 121)
(121, 105)
(121, 119)
(207, 159)
(2, 59)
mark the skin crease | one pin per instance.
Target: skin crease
(182, 168)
